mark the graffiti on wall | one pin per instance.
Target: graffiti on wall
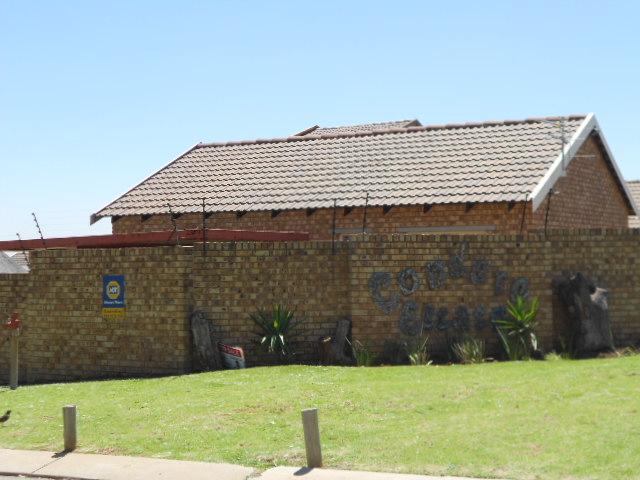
(392, 293)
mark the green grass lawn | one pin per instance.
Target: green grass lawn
(553, 419)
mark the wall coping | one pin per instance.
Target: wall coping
(345, 246)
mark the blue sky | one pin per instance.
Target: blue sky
(95, 96)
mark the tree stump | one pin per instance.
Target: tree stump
(588, 314)
(332, 349)
(205, 353)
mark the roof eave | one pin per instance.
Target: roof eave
(95, 217)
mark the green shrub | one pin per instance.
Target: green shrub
(417, 351)
(517, 330)
(469, 350)
(362, 353)
(275, 329)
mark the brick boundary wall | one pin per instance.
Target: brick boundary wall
(64, 334)
(449, 281)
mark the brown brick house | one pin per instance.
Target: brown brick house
(397, 177)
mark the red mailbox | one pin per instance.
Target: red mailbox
(14, 321)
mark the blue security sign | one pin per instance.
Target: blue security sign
(113, 296)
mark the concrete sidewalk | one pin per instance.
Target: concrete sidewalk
(110, 467)
(83, 466)
(288, 473)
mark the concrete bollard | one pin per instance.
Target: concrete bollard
(69, 429)
(312, 437)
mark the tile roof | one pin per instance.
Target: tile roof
(471, 162)
(634, 188)
(367, 127)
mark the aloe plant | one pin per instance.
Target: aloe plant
(275, 329)
(517, 329)
(469, 350)
(361, 353)
(417, 351)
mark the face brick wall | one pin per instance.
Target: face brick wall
(65, 336)
(319, 224)
(234, 279)
(587, 197)
(610, 259)
(13, 292)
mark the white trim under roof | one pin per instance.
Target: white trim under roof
(562, 161)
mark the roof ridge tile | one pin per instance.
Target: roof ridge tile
(391, 131)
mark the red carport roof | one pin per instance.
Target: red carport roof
(151, 239)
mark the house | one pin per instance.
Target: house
(398, 177)
(634, 188)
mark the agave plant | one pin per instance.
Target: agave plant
(517, 330)
(275, 329)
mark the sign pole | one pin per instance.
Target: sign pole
(13, 373)
(13, 324)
